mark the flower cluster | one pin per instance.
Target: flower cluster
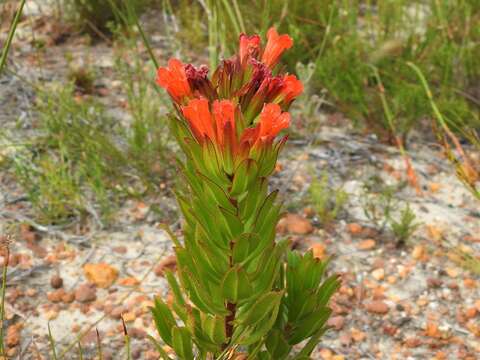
(238, 287)
(243, 107)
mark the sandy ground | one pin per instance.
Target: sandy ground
(415, 301)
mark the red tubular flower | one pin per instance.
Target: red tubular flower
(276, 45)
(218, 125)
(272, 121)
(174, 79)
(292, 87)
(249, 47)
(224, 114)
(198, 115)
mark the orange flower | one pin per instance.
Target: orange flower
(198, 115)
(276, 45)
(249, 45)
(272, 121)
(218, 125)
(292, 87)
(174, 80)
(224, 114)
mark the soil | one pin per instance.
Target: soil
(414, 300)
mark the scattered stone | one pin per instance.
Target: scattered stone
(469, 283)
(377, 307)
(345, 339)
(117, 312)
(358, 335)
(51, 314)
(137, 333)
(294, 224)
(56, 296)
(68, 297)
(367, 244)
(434, 283)
(31, 292)
(102, 274)
(85, 293)
(418, 252)
(354, 228)
(337, 322)
(128, 281)
(56, 282)
(13, 335)
(319, 251)
(378, 274)
(170, 262)
(471, 312)
(452, 272)
(120, 249)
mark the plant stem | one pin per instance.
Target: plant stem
(231, 307)
(13, 27)
(2, 304)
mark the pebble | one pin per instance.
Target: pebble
(377, 307)
(378, 274)
(337, 322)
(56, 282)
(56, 296)
(85, 293)
(294, 224)
(367, 244)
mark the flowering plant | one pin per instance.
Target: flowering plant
(239, 290)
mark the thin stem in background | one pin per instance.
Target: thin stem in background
(464, 170)
(11, 33)
(411, 174)
(6, 257)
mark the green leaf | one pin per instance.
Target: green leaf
(261, 328)
(276, 345)
(254, 198)
(304, 354)
(327, 289)
(268, 269)
(214, 327)
(233, 223)
(218, 192)
(309, 325)
(259, 309)
(182, 343)
(164, 320)
(179, 302)
(236, 285)
(245, 174)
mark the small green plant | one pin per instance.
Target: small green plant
(239, 292)
(378, 201)
(405, 227)
(147, 137)
(100, 17)
(328, 202)
(51, 186)
(82, 77)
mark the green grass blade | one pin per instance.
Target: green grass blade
(99, 346)
(11, 33)
(80, 351)
(52, 343)
(4, 289)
